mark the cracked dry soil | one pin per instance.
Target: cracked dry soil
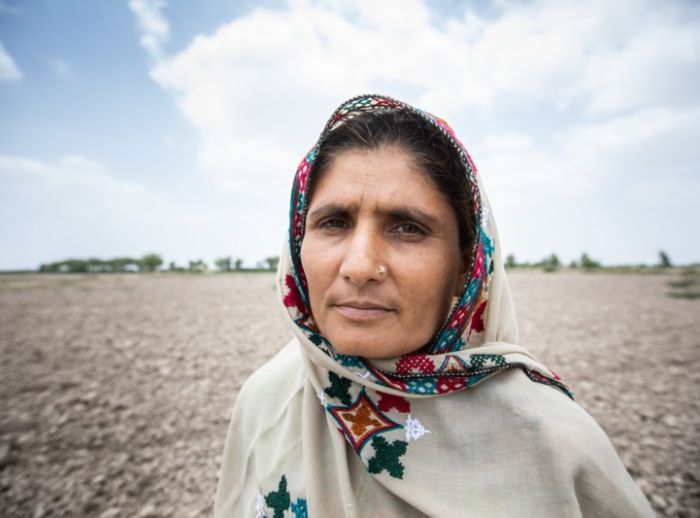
(117, 389)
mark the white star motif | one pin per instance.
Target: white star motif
(414, 429)
(363, 376)
(485, 213)
(260, 506)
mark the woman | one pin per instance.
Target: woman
(404, 392)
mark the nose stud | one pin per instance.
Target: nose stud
(381, 269)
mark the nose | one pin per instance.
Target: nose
(363, 258)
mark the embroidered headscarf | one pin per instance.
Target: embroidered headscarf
(328, 434)
(449, 364)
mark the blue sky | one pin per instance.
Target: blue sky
(129, 127)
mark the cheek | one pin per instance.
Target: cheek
(429, 285)
(316, 269)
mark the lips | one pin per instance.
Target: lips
(362, 310)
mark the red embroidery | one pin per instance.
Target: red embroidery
(478, 318)
(458, 318)
(387, 402)
(415, 363)
(447, 384)
(293, 297)
(479, 263)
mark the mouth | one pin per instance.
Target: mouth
(362, 310)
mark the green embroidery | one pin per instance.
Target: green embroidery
(339, 388)
(279, 500)
(478, 360)
(386, 456)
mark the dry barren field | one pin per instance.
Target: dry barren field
(116, 389)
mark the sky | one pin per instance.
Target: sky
(175, 127)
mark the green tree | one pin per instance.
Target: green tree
(150, 262)
(238, 263)
(588, 263)
(173, 267)
(124, 264)
(510, 261)
(73, 266)
(271, 262)
(551, 263)
(664, 260)
(197, 266)
(224, 264)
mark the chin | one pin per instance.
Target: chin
(371, 347)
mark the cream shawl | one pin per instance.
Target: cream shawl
(472, 425)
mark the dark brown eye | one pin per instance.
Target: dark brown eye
(408, 229)
(333, 223)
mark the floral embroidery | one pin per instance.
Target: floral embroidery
(386, 457)
(349, 361)
(485, 215)
(452, 364)
(279, 500)
(446, 384)
(260, 506)
(299, 508)
(421, 386)
(415, 363)
(478, 319)
(387, 402)
(293, 297)
(479, 361)
(361, 420)
(359, 413)
(339, 388)
(414, 429)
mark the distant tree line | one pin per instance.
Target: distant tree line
(552, 263)
(154, 263)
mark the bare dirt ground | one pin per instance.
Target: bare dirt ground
(116, 389)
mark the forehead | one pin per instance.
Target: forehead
(387, 175)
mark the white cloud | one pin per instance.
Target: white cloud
(74, 208)
(152, 25)
(9, 71)
(619, 189)
(267, 80)
(623, 78)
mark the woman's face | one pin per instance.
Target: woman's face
(372, 209)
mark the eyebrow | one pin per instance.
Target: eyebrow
(400, 213)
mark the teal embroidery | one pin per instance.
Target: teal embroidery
(495, 360)
(349, 361)
(299, 508)
(339, 388)
(279, 500)
(386, 457)
(421, 385)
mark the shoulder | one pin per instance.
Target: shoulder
(559, 422)
(570, 444)
(267, 412)
(269, 390)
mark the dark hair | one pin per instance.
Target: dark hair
(431, 150)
